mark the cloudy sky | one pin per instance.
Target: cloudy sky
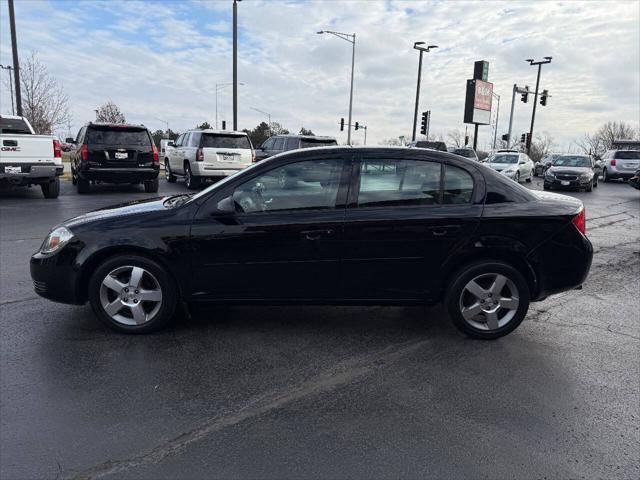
(160, 60)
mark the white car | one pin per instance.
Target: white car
(28, 159)
(207, 155)
(515, 165)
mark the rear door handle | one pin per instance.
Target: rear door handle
(316, 234)
(439, 233)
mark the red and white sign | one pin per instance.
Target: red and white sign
(484, 95)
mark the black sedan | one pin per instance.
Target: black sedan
(571, 172)
(383, 226)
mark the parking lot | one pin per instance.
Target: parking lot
(326, 392)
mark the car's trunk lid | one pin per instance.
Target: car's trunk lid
(223, 151)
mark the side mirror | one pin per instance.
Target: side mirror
(69, 140)
(171, 144)
(522, 162)
(226, 205)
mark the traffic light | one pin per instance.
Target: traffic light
(342, 124)
(523, 138)
(224, 124)
(423, 125)
(525, 95)
(505, 137)
(356, 126)
(543, 97)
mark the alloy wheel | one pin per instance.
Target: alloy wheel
(167, 170)
(489, 301)
(187, 176)
(130, 295)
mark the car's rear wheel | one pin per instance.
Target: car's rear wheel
(83, 185)
(590, 186)
(132, 294)
(151, 186)
(51, 189)
(171, 178)
(595, 181)
(605, 176)
(530, 176)
(191, 181)
(487, 300)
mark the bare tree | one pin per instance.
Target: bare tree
(540, 146)
(456, 138)
(44, 101)
(602, 140)
(110, 113)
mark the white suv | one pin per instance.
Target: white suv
(207, 155)
(515, 165)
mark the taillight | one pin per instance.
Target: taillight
(57, 149)
(199, 155)
(613, 162)
(156, 157)
(84, 152)
(580, 221)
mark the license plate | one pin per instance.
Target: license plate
(564, 182)
(121, 155)
(12, 169)
(630, 165)
(227, 158)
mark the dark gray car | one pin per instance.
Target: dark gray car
(283, 143)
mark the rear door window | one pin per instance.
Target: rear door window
(628, 155)
(194, 141)
(291, 143)
(118, 136)
(14, 126)
(220, 140)
(268, 144)
(395, 182)
(458, 186)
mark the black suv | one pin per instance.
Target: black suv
(283, 143)
(114, 153)
(432, 145)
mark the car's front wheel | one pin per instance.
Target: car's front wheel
(487, 300)
(132, 294)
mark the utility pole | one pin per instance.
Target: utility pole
(9, 69)
(16, 65)
(417, 46)
(235, 65)
(495, 131)
(535, 97)
(513, 101)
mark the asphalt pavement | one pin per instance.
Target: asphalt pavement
(321, 392)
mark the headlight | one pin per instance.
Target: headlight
(585, 175)
(509, 171)
(548, 173)
(56, 240)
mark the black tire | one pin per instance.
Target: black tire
(517, 179)
(168, 174)
(595, 181)
(546, 187)
(529, 177)
(83, 185)
(192, 182)
(590, 187)
(151, 186)
(74, 178)
(605, 176)
(51, 189)
(486, 267)
(167, 285)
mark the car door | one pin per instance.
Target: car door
(280, 242)
(174, 155)
(404, 219)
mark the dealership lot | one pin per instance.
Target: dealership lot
(275, 392)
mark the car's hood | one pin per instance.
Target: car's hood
(569, 170)
(121, 210)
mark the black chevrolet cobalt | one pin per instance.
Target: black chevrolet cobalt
(334, 225)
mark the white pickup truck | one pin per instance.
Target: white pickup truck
(27, 159)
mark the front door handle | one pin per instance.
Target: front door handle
(316, 234)
(439, 233)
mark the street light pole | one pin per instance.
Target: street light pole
(165, 123)
(535, 98)
(14, 49)
(495, 131)
(264, 113)
(513, 101)
(417, 46)
(235, 65)
(9, 69)
(351, 38)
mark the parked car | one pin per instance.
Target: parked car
(207, 155)
(366, 226)
(114, 153)
(620, 164)
(514, 165)
(432, 145)
(284, 143)
(545, 162)
(28, 159)
(635, 180)
(469, 153)
(571, 171)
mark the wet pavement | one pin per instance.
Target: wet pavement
(317, 392)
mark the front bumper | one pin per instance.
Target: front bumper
(567, 184)
(119, 175)
(27, 173)
(55, 275)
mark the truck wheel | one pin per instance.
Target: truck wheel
(192, 182)
(83, 185)
(605, 176)
(51, 189)
(74, 178)
(171, 178)
(151, 186)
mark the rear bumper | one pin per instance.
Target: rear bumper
(615, 173)
(203, 170)
(119, 175)
(29, 173)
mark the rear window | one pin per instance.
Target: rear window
(433, 145)
(464, 152)
(504, 159)
(317, 142)
(214, 140)
(117, 136)
(628, 155)
(17, 126)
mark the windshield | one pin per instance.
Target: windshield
(118, 136)
(465, 152)
(572, 161)
(312, 142)
(215, 140)
(504, 159)
(628, 155)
